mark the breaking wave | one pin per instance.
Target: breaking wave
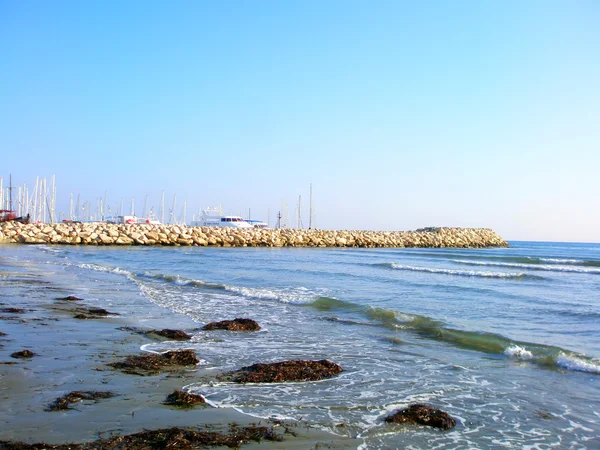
(544, 355)
(457, 272)
(106, 269)
(578, 363)
(543, 267)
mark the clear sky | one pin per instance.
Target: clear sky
(401, 114)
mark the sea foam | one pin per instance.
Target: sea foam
(571, 362)
(518, 352)
(464, 273)
(546, 267)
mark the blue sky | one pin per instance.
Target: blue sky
(400, 114)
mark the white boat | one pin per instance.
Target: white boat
(258, 223)
(150, 220)
(214, 217)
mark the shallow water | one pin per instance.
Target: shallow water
(505, 340)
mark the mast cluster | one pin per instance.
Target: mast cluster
(39, 203)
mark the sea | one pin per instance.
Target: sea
(505, 340)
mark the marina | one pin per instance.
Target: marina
(41, 207)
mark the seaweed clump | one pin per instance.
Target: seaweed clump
(13, 310)
(176, 335)
(70, 298)
(423, 415)
(23, 354)
(183, 399)
(155, 363)
(93, 313)
(294, 370)
(165, 438)
(64, 402)
(233, 325)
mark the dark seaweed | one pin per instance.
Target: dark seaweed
(166, 438)
(64, 402)
(295, 370)
(183, 399)
(155, 363)
(233, 325)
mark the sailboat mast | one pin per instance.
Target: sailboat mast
(145, 212)
(53, 200)
(310, 208)
(106, 208)
(77, 208)
(10, 192)
(299, 224)
(172, 216)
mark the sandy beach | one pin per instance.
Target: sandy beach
(72, 355)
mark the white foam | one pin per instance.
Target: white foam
(466, 273)
(518, 352)
(562, 261)
(546, 267)
(571, 362)
(284, 295)
(50, 249)
(146, 348)
(106, 269)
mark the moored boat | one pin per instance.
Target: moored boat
(258, 223)
(214, 217)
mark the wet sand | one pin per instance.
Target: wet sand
(72, 355)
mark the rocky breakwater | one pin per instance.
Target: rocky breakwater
(142, 234)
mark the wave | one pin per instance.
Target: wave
(544, 355)
(51, 249)
(541, 260)
(423, 326)
(436, 254)
(180, 281)
(462, 273)
(578, 262)
(298, 295)
(543, 267)
(578, 363)
(284, 294)
(107, 269)
(426, 327)
(518, 352)
(330, 303)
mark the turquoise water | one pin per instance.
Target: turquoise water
(505, 340)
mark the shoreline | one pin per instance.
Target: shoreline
(175, 235)
(72, 355)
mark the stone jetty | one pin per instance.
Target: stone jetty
(144, 234)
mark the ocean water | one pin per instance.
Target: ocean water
(505, 340)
